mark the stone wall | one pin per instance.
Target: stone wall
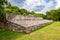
(20, 23)
(10, 16)
(2, 25)
(15, 27)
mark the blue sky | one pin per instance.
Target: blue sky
(36, 5)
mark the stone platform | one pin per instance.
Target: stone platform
(25, 23)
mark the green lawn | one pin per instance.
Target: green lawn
(50, 32)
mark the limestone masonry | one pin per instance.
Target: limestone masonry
(26, 24)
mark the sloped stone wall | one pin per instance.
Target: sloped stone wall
(32, 28)
(15, 27)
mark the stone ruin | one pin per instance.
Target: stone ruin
(26, 24)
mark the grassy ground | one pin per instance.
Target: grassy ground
(50, 32)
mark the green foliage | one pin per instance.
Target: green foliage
(54, 15)
(39, 15)
(2, 6)
(15, 10)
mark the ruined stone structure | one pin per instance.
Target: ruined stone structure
(26, 24)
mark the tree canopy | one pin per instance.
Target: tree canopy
(53, 14)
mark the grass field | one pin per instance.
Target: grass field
(49, 32)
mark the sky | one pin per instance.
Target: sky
(41, 6)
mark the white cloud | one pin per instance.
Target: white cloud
(47, 7)
(37, 5)
(31, 5)
(58, 3)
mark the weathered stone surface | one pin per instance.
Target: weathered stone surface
(26, 24)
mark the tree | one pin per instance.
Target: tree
(53, 15)
(2, 6)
